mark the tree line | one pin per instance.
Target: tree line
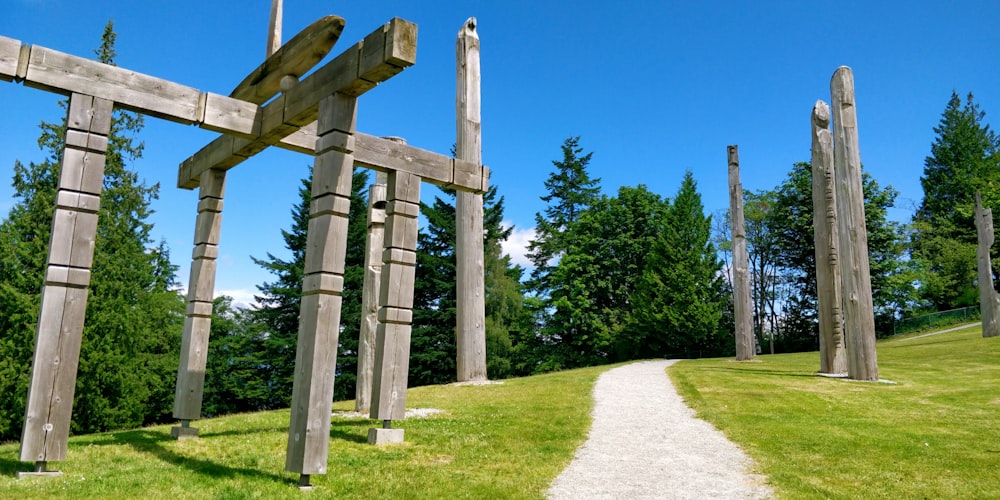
(617, 277)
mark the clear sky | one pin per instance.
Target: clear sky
(653, 88)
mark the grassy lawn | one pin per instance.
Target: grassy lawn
(494, 441)
(935, 433)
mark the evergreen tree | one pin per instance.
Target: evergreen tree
(128, 357)
(678, 303)
(570, 192)
(965, 158)
(432, 351)
(280, 301)
(591, 286)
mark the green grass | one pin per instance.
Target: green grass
(494, 441)
(935, 433)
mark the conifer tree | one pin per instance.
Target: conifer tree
(134, 313)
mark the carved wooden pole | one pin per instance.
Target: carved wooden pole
(832, 350)
(322, 286)
(201, 291)
(374, 246)
(392, 352)
(274, 28)
(989, 299)
(742, 309)
(859, 313)
(471, 307)
(67, 276)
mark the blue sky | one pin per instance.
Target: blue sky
(653, 89)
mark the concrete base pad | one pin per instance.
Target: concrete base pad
(48, 473)
(179, 432)
(385, 436)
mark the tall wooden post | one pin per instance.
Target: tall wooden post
(274, 28)
(374, 246)
(741, 267)
(859, 313)
(67, 276)
(832, 350)
(201, 290)
(471, 293)
(989, 299)
(392, 352)
(322, 286)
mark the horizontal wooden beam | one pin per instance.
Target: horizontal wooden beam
(387, 155)
(55, 71)
(382, 54)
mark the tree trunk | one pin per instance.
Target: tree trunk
(859, 312)
(832, 351)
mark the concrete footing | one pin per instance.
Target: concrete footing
(48, 473)
(181, 432)
(385, 436)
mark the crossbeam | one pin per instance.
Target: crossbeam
(66, 74)
(383, 53)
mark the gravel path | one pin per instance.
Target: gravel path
(646, 443)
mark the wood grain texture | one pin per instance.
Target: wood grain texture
(392, 343)
(743, 311)
(989, 299)
(374, 245)
(62, 314)
(319, 318)
(191, 373)
(10, 52)
(859, 313)
(294, 58)
(470, 330)
(832, 348)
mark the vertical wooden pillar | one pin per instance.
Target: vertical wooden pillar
(392, 353)
(859, 313)
(832, 350)
(989, 299)
(742, 309)
(470, 294)
(374, 246)
(322, 285)
(201, 292)
(67, 276)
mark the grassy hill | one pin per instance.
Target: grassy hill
(933, 433)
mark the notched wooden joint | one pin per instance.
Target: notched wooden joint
(324, 283)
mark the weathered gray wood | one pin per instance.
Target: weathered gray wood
(396, 298)
(10, 52)
(274, 28)
(64, 295)
(319, 319)
(294, 58)
(832, 349)
(989, 299)
(743, 311)
(201, 291)
(298, 106)
(374, 245)
(470, 333)
(859, 313)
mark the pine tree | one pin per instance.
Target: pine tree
(677, 305)
(128, 356)
(570, 192)
(965, 158)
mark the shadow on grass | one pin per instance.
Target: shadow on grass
(10, 467)
(344, 429)
(774, 373)
(922, 343)
(152, 443)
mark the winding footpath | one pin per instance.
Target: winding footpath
(646, 443)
